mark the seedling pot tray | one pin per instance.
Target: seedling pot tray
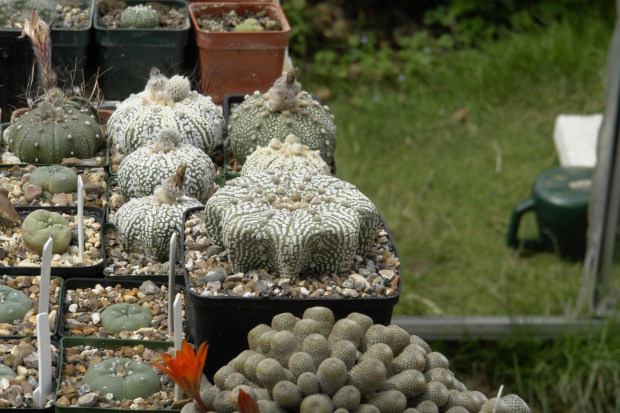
(127, 55)
(224, 322)
(76, 283)
(101, 343)
(65, 272)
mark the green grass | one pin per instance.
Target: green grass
(437, 181)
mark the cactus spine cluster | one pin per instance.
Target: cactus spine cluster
(291, 222)
(140, 17)
(166, 103)
(285, 109)
(291, 368)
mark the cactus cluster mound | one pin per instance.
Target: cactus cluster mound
(14, 304)
(124, 378)
(143, 170)
(166, 103)
(288, 156)
(40, 225)
(317, 364)
(290, 222)
(140, 17)
(147, 223)
(285, 109)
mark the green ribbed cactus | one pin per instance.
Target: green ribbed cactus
(143, 170)
(139, 17)
(166, 103)
(290, 222)
(124, 378)
(55, 179)
(282, 111)
(125, 317)
(147, 223)
(40, 225)
(14, 305)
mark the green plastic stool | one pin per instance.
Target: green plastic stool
(560, 201)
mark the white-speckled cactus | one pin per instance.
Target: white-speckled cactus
(288, 156)
(147, 223)
(143, 170)
(282, 111)
(290, 222)
(166, 103)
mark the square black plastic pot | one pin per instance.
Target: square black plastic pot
(106, 343)
(76, 283)
(224, 322)
(126, 56)
(95, 270)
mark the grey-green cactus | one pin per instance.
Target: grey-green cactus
(291, 222)
(124, 378)
(282, 111)
(166, 103)
(55, 179)
(14, 305)
(40, 225)
(249, 25)
(6, 372)
(288, 156)
(147, 223)
(143, 170)
(318, 378)
(125, 317)
(139, 17)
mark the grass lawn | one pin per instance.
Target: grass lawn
(446, 185)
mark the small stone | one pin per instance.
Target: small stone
(387, 274)
(63, 401)
(88, 400)
(32, 192)
(60, 200)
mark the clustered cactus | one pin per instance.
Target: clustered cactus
(123, 378)
(143, 170)
(140, 17)
(317, 364)
(166, 103)
(285, 109)
(14, 305)
(290, 222)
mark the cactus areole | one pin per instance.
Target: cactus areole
(291, 222)
(124, 378)
(166, 103)
(285, 109)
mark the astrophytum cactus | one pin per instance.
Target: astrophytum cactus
(285, 109)
(345, 368)
(140, 17)
(146, 224)
(14, 304)
(59, 124)
(290, 222)
(123, 378)
(143, 170)
(288, 156)
(166, 103)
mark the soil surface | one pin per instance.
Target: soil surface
(228, 21)
(67, 15)
(109, 14)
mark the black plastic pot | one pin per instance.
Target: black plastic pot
(64, 272)
(76, 283)
(126, 56)
(224, 322)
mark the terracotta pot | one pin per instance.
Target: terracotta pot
(239, 62)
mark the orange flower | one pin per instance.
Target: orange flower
(246, 403)
(186, 369)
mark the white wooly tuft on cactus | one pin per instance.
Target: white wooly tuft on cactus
(146, 224)
(288, 156)
(290, 222)
(166, 103)
(143, 170)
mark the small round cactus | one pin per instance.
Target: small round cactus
(147, 223)
(139, 17)
(282, 111)
(124, 378)
(55, 179)
(125, 317)
(166, 103)
(291, 222)
(40, 225)
(14, 305)
(249, 25)
(143, 170)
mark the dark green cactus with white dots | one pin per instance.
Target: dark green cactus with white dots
(311, 372)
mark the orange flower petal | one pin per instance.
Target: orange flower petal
(246, 403)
